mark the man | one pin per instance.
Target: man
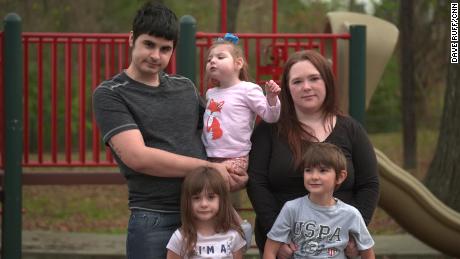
(150, 121)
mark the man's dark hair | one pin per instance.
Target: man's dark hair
(157, 20)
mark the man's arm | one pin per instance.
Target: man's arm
(239, 253)
(367, 254)
(129, 146)
(271, 249)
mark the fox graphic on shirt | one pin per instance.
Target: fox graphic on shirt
(213, 124)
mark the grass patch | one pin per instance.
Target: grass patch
(391, 145)
(101, 209)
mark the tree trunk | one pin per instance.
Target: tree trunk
(232, 14)
(408, 85)
(443, 177)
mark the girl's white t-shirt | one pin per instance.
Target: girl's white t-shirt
(220, 245)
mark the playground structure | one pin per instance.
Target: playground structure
(74, 140)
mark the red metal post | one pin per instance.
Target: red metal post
(322, 45)
(68, 101)
(274, 30)
(201, 66)
(82, 103)
(127, 52)
(223, 16)
(246, 47)
(112, 59)
(120, 57)
(95, 72)
(54, 94)
(25, 110)
(111, 66)
(258, 63)
(274, 16)
(40, 101)
(334, 58)
(107, 75)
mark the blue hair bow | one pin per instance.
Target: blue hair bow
(230, 37)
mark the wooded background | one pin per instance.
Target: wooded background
(414, 82)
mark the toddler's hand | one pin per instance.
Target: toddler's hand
(272, 89)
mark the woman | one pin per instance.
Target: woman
(309, 113)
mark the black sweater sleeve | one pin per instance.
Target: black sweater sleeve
(263, 201)
(366, 187)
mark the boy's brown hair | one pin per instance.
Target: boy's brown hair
(324, 154)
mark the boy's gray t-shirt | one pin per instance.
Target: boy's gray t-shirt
(318, 231)
(168, 117)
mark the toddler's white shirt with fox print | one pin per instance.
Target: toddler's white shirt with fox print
(230, 116)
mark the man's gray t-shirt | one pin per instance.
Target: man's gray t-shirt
(167, 116)
(318, 231)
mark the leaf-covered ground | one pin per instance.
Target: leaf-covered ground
(104, 209)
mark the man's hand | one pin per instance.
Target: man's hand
(351, 250)
(286, 251)
(238, 179)
(223, 170)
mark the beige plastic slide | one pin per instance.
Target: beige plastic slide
(402, 196)
(381, 38)
(416, 209)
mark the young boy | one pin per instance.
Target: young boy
(150, 119)
(318, 224)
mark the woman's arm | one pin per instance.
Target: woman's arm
(367, 254)
(262, 199)
(366, 187)
(172, 255)
(239, 253)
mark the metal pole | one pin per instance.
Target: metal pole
(186, 48)
(12, 186)
(274, 16)
(223, 16)
(357, 78)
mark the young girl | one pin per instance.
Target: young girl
(232, 105)
(210, 228)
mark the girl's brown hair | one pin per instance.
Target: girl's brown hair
(226, 219)
(237, 52)
(298, 135)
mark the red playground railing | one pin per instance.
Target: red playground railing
(62, 69)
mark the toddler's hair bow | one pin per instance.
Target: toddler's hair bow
(230, 37)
